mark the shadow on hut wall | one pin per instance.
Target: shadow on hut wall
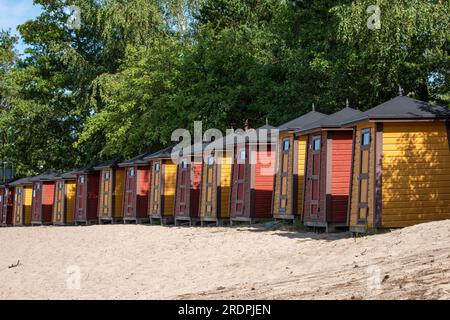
(415, 175)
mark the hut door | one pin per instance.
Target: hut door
(156, 189)
(18, 204)
(59, 197)
(363, 176)
(81, 197)
(284, 174)
(130, 184)
(209, 186)
(241, 161)
(106, 194)
(314, 174)
(3, 208)
(37, 202)
(184, 186)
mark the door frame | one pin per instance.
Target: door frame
(363, 176)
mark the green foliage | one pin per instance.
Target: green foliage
(138, 69)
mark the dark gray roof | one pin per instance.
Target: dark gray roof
(402, 108)
(108, 164)
(302, 121)
(87, 169)
(48, 176)
(23, 181)
(138, 160)
(161, 154)
(334, 120)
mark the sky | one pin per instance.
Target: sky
(15, 12)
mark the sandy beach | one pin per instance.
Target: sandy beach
(154, 262)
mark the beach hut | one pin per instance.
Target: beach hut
(110, 200)
(6, 204)
(64, 200)
(401, 165)
(328, 165)
(136, 189)
(290, 168)
(215, 184)
(187, 193)
(23, 194)
(86, 204)
(162, 186)
(42, 199)
(252, 175)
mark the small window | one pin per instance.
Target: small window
(242, 154)
(316, 144)
(210, 160)
(19, 191)
(82, 180)
(157, 166)
(365, 137)
(60, 185)
(38, 186)
(286, 144)
(131, 172)
(107, 175)
(184, 164)
(1, 198)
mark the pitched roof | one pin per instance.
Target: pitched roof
(402, 108)
(86, 169)
(302, 121)
(236, 136)
(44, 177)
(22, 181)
(161, 154)
(334, 120)
(108, 164)
(138, 160)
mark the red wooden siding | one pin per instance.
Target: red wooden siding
(263, 186)
(340, 175)
(188, 190)
(87, 198)
(6, 206)
(142, 192)
(316, 165)
(251, 193)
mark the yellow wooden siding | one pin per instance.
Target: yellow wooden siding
(288, 191)
(119, 189)
(225, 186)
(415, 173)
(28, 193)
(301, 162)
(170, 178)
(355, 181)
(70, 189)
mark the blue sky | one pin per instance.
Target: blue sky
(15, 12)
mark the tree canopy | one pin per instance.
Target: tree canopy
(132, 71)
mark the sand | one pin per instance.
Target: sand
(154, 262)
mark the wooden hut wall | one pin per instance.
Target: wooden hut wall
(22, 205)
(251, 193)
(42, 203)
(136, 192)
(87, 197)
(163, 185)
(300, 173)
(111, 193)
(6, 205)
(215, 188)
(415, 173)
(64, 203)
(188, 189)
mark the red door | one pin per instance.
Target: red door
(37, 202)
(80, 207)
(129, 202)
(314, 175)
(241, 182)
(183, 189)
(3, 206)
